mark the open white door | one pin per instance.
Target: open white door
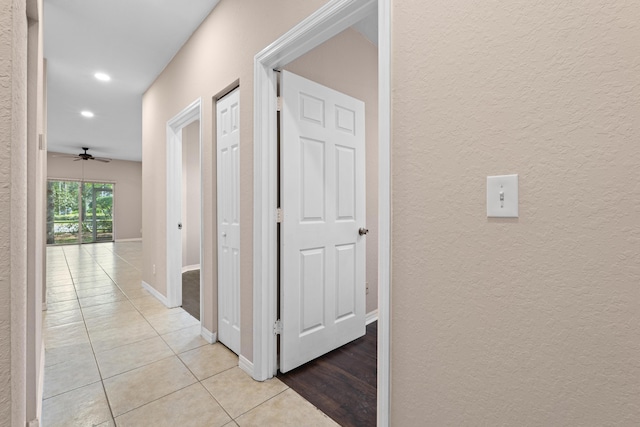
(228, 170)
(323, 254)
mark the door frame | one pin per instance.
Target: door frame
(187, 116)
(326, 22)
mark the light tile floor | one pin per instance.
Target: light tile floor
(116, 356)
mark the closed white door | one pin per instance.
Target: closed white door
(228, 175)
(323, 290)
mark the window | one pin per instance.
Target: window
(79, 212)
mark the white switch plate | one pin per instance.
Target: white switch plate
(508, 206)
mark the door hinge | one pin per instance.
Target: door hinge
(277, 327)
(279, 103)
(279, 215)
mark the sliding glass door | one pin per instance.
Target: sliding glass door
(97, 212)
(62, 212)
(79, 212)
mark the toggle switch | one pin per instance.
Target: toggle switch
(502, 196)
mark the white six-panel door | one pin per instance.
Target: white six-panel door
(228, 177)
(323, 290)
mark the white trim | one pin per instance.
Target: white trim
(384, 213)
(44, 306)
(245, 365)
(371, 317)
(264, 216)
(201, 237)
(155, 293)
(174, 215)
(40, 387)
(137, 239)
(208, 336)
(187, 116)
(191, 268)
(332, 18)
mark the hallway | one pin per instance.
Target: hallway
(115, 355)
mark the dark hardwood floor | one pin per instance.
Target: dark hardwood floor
(191, 293)
(342, 383)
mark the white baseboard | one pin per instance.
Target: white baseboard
(137, 239)
(155, 293)
(372, 317)
(36, 422)
(245, 365)
(190, 267)
(209, 336)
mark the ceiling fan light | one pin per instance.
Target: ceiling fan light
(103, 77)
(87, 114)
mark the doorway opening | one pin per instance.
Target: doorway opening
(331, 19)
(328, 196)
(184, 210)
(190, 203)
(79, 212)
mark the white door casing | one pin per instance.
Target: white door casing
(323, 199)
(174, 203)
(228, 179)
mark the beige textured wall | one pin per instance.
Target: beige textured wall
(218, 54)
(127, 176)
(528, 321)
(349, 63)
(13, 211)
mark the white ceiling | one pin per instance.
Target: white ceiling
(132, 41)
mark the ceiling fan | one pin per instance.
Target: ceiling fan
(85, 156)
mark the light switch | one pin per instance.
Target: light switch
(502, 196)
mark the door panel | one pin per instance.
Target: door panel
(228, 175)
(97, 212)
(345, 281)
(323, 289)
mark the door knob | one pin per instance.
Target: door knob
(224, 234)
(363, 231)
(179, 226)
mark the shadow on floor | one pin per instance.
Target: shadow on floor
(191, 293)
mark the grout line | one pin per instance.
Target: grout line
(216, 400)
(161, 397)
(145, 317)
(139, 367)
(95, 359)
(262, 403)
(71, 389)
(152, 327)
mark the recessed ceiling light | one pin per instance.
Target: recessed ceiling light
(87, 113)
(102, 77)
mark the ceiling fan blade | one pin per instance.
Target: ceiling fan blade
(79, 158)
(64, 156)
(101, 159)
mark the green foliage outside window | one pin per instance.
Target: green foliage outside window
(66, 221)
